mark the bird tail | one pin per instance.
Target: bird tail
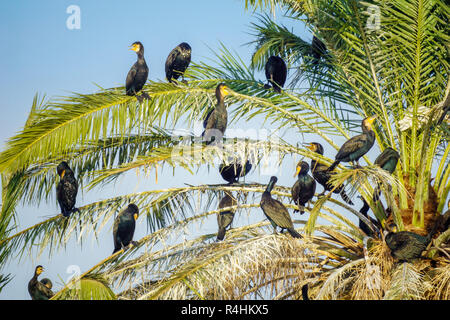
(334, 165)
(115, 250)
(221, 234)
(294, 233)
(345, 197)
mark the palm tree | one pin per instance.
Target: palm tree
(382, 57)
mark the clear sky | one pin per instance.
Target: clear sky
(40, 54)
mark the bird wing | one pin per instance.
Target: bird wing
(295, 190)
(278, 213)
(210, 119)
(130, 77)
(351, 145)
(170, 61)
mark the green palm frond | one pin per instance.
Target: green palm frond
(92, 287)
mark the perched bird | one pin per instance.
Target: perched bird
(406, 245)
(303, 189)
(138, 74)
(124, 226)
(275, 211)
(387, 160)
(47, 282)
(178, 61)
(362, 225)
(276, 73)
(318, 50)
(225, 218)
(215, 122)
(322, 175)
(67, 189)
(37, 289)
(233, 171)
(359, 145)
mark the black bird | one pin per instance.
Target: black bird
(322, 175)
(387, 160)
(362, 225)
(67, 189)
(138, 74)
(276, 212)
(303, 189)
(318, 50)
(124, 226)
(178, 61)
(359, 145)
(47, 282)
(216, 120)
(276, 73)
(225, 218)
(233, 171)
(37, 289)
(406, 245)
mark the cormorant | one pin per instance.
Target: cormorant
(303, 189)
(215, 122)
(233, 171)
(359, 145)
(47, 282)
(322, 175)
(138, 74)
(178, 61)
(275, 211)
(124, 226)
(406, 245)
(364, 227)
(318, 49)
(37, 289)
(387, 160)
(225, 218)
(276, 73)
(67, 189)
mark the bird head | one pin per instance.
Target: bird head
(367, 122)
(222, 90)
(186, 47)
(39, 270)
(134, 209)
(47, 282)
(137, 47)
(315, 147)
(61, 169)
(302, 167)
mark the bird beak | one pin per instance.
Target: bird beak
(134, 48)
(311, 147)
(297, 171)
(225, 91)
(63, 173)
(135, 216)
(372, 119)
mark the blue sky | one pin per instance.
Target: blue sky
(40, 54)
